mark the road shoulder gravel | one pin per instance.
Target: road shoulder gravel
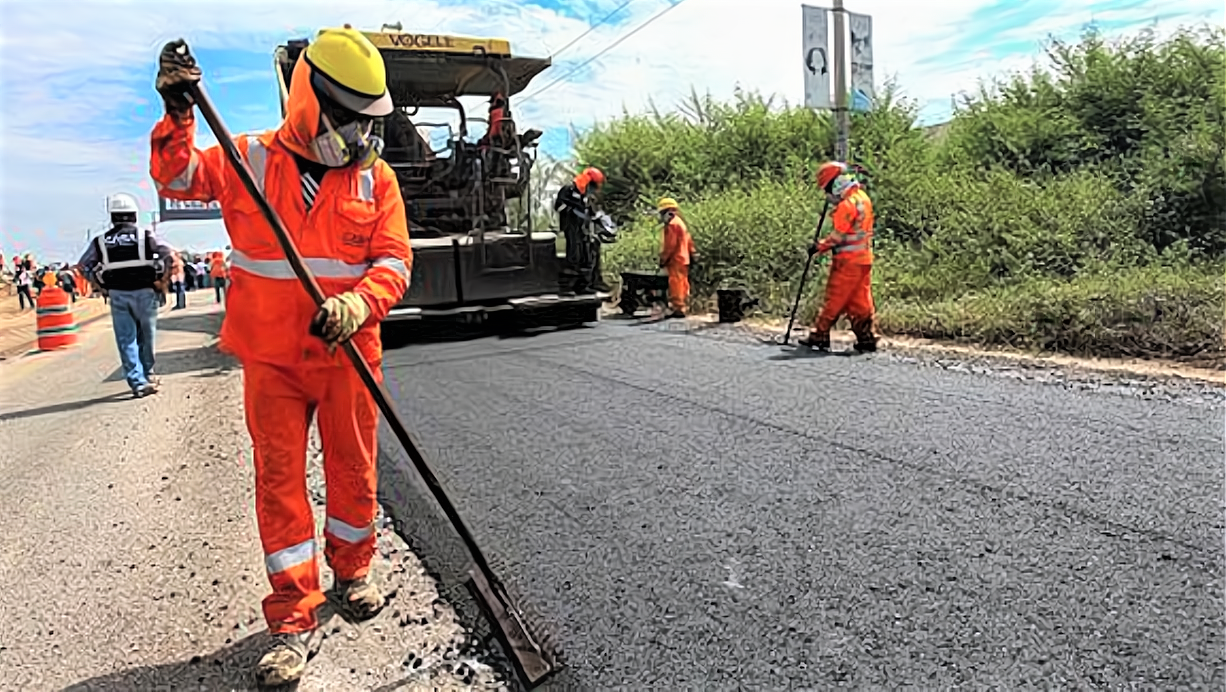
(132, 558)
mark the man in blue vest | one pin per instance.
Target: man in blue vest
(127, 262)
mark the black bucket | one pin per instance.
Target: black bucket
(732, 304)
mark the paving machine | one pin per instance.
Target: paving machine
(473, 257)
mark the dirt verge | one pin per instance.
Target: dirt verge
(1155, 369)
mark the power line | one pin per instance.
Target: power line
(610, 47)
(592, 28)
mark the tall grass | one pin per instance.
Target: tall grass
(1079, 207)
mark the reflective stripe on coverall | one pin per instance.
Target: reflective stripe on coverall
(354, 238)
(675, 254)
(849, 286)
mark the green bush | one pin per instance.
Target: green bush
(705, 147)
(1153, 311)
(1080, 208)
(1147, 115)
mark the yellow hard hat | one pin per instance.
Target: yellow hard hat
(348, 68)
(666, 203)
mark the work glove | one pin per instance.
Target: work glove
(177, 71)
(813, 250)
(340, 317)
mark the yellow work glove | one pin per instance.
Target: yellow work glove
(345, 315)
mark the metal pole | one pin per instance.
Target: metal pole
(842, 122)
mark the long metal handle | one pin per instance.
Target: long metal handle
(381, 396)
(805, 274)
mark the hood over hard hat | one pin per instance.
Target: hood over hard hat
(344, 65)
(828, 172)
(348, 68)
(590, 175)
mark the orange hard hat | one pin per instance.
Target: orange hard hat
(828, 172)
(594, 174)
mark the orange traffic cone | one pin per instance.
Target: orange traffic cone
(57, 325)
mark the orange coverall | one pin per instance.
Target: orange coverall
(355, 238)
(675, 254)
(849, 286)
(217, 265)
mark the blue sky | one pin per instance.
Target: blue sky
(76, 77)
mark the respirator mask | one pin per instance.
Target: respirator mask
(337, 147)
(841, 187)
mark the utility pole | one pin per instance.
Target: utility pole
(842, 121)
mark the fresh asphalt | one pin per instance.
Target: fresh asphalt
(689, 509)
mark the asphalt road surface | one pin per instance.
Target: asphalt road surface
(695, 510)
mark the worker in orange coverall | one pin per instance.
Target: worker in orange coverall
(849, 286)
(676, 253)
(321, 172)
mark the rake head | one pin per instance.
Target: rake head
(534, 659)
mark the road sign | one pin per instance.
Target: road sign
(818, 63)
(861, 30)
(176, 210)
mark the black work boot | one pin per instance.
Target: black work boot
(866, 341)
(816, 341)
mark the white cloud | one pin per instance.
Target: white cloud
(59, 61)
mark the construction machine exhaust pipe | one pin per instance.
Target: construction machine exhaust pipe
(532, 662)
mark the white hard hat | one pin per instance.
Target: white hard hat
(122, 204)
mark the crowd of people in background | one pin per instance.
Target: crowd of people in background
(192, 271)
(28, 278)
(197, 271)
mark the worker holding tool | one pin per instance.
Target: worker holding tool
(849, 286)
(576, 212)
(321, 173)
(676, 253)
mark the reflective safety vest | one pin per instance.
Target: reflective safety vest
(128, 260)
(354, 238)
(852, 239)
